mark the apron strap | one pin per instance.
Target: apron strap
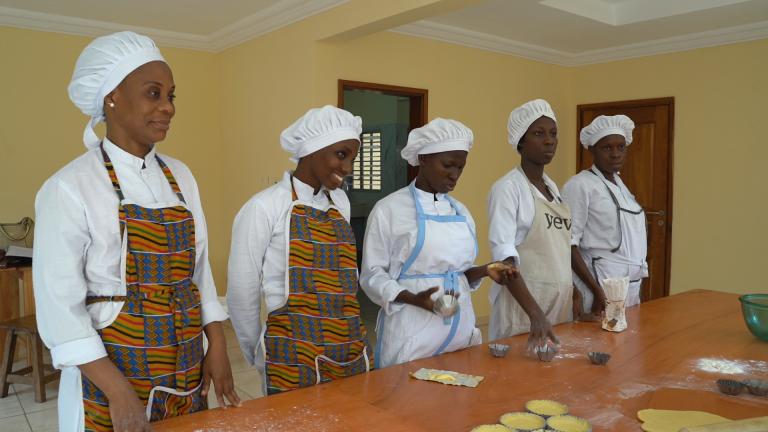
(116, 183)
(619, 209)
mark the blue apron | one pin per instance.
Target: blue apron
(450, 279)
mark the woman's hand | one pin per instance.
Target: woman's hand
(127, 412)
(541, 332)
(599, 302)
(422, 299)
(501, 271)
(216, 368)
(125, 409)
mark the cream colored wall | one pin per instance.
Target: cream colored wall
(233, 105)
(271, 83)
(456, 90)
(41, 130)
(720, 155)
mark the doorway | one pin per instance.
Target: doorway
(648, 174)
(389, 113)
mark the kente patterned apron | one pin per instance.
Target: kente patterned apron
(318, 335)
(156, 341)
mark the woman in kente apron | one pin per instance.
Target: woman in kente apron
(294, 250)
(123, 286)
(530, 229)
(609, 226)
(420, 247)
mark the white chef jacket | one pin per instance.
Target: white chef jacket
(405, 332)
(593, 211)
(259, 256)
(390, 237)
(78, 247)
(511, 210)
(78, 251)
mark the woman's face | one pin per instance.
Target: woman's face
(539, 143)
(441, 171)
(609, 153)
(331, 164)
(143, 104)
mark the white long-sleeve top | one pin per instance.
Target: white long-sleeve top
(258, 258)
(78, 247)
(595, 224)
(390, 237)
(511, 211)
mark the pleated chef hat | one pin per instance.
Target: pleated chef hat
(320, 128)
(603, 126)
(439, 135)
(521, 118)
(101, 67)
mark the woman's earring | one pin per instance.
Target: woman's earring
(111, 104)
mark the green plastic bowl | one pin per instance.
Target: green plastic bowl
(755, 310)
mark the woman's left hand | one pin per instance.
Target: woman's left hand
(501, 271)
(216, 369)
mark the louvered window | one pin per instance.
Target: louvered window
(366, 175)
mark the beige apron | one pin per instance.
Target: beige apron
(545, 265)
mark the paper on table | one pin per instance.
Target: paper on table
(447, 377)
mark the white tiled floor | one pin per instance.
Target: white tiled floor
(20, 413)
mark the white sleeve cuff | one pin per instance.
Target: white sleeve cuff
(77, 352)
(390, 294)
(212, 312)
(503, 251)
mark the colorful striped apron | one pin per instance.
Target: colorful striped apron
(318, 335)
(156, 341)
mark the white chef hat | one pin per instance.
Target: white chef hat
(101, 67)
(521, 118)
(603, 126)
(439, 135)
(320, 128)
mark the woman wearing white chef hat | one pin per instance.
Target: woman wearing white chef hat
(123, 287)
(419, 253)
(609, 231)
(530, 229)
(294, 250)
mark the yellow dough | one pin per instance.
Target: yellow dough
(546, 408)
(443, 377)
(522, 421)
(672, 421)
(496, 266)
(566, 423)
(491, 428)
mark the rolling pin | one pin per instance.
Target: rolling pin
(757, 424)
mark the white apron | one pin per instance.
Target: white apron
(626, 259)
(412, 332)
(545, 265)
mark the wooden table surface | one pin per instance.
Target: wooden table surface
(669, 358)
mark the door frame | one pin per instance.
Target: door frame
(639, 103)
(418, 106)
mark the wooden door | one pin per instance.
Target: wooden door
(648, 174)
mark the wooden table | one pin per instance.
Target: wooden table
(669, 358)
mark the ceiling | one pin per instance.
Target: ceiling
(574, 32)
(197, 24)
(566, 32)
